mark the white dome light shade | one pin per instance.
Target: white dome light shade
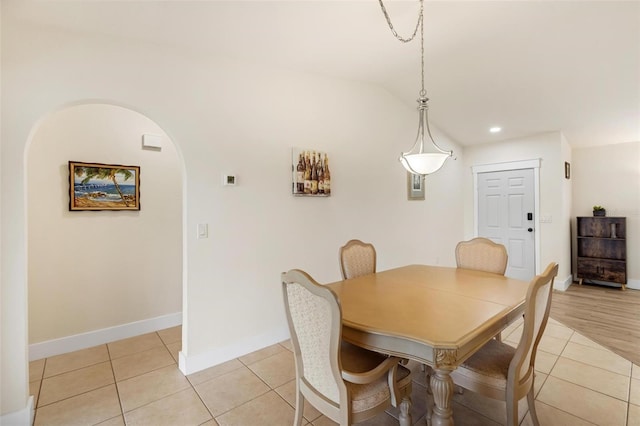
(425, 163)
(416, 160)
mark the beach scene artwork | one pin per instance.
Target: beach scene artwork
(97, 186)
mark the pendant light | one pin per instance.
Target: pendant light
(417, 160)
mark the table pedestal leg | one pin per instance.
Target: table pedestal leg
(442, 389)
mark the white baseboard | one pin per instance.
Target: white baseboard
(563, 285)
(102, 336)
(195, 363)
(23, 417)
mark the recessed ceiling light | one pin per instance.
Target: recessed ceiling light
(495, 129)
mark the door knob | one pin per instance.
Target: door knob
(530, 229)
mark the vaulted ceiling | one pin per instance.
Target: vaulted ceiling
(527, 66)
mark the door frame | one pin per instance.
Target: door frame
(503, 167)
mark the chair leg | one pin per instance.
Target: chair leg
(512, 412)
(405, 411)
(297, 421)
(532, 407)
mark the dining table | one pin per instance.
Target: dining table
(435, 315)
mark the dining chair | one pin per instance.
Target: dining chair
(357, 258)
(346, 383)
(482, 254)
(500, 371)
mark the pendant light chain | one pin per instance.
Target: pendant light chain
(423, 92)
(419, 24)
(396, 35)
(417, 161)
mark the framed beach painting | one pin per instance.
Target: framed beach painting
(96, 186)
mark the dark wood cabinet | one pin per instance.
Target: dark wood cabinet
(602, 249)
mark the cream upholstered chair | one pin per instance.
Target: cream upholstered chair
(346, 383)
(357, 258)
(482, 254)
(500, 371)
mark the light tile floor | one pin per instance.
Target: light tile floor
(136, 382)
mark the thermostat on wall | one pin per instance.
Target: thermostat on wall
(228, 180)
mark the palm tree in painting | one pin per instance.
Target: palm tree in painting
(104, 173)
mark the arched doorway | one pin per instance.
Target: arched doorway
(95, 276)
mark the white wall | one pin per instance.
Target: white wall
(610, 176)
(566, 193)
(227, 117)
(553, 150)
(90, 270)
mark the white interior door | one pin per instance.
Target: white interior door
(506, 205)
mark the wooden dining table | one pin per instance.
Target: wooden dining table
(434, 315)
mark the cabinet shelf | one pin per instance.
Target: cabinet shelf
(602, 249)
(603, 238)
(605, 258)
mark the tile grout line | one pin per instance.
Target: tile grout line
(199, 397)
(35, 411)
(271, 389)
(259, 378)
(593, 366)
(142, 374)
(629, 395)
(568, 413)
(628, 376)
(115, 384)
(583, 387)
(203, 403)
(244, 365)
(555, 362)
(550, 375)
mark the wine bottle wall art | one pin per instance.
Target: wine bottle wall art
(311, 173)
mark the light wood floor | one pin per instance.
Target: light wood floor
(607, 315)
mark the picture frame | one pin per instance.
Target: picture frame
(567, 170)
(311, 176)
(98, 186)
(415, 187)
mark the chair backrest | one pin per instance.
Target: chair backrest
(315, 323)
(482, 254)
(356, 259)
(536, 314)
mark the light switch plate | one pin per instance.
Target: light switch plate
(203, 230)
